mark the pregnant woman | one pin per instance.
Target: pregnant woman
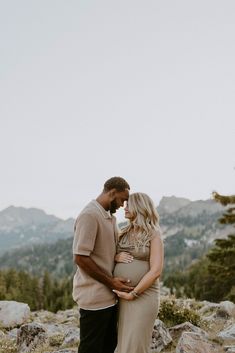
(140, 259)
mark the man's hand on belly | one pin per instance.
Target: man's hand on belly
(121, 284)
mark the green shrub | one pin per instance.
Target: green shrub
(172, 313)
(56, 340)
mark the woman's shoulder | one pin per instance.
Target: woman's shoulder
(124, 231)
(156, 232)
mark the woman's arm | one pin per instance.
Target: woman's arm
(156, 266)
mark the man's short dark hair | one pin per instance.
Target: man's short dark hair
(117, 183)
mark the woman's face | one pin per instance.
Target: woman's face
(128, 214)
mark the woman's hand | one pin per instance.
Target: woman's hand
(124, 295)
(124, 257)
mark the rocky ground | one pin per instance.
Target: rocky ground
(23, 331)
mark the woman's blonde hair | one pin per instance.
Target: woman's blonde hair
(145, 218)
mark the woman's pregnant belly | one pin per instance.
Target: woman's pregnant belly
(134, 270)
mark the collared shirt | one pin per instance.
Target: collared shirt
(95, 236)
(105, 213)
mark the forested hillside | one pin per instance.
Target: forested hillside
(211, 277)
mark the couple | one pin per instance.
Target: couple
(116, 284)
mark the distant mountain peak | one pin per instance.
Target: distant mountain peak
(21, 216)
(171, 204)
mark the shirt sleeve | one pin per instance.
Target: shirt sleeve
(85, 235)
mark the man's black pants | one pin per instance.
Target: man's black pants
(98, 330)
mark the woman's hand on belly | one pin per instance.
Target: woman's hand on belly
(124, 295)
(124, 257)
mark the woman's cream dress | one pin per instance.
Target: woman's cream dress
(136, 317)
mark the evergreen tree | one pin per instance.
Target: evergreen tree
(3, 290)
(39, 293)
(222, 257)
(47, 291)
(221, 269)
(229, 215)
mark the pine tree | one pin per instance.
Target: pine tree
(221, 269)
(3, 289)
(47, 290)
(229, 215)
(222, 257)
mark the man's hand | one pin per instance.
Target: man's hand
(91, 268)
(121, 284)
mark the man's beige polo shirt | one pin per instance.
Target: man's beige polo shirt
(95, 236)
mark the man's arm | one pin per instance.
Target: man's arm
(91, 268)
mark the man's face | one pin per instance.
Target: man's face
(118, 201)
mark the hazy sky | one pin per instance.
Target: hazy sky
(93, 89)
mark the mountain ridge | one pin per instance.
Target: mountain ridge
(189, 229)
(20, 226)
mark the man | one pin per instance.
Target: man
(94, 249)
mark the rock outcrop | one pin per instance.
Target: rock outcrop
(31, 336)
(192, 342)
(13, 314)
(46, 332)
(160, 337)
(176, 331)
(228, 334)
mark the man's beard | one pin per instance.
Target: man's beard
(113, 206)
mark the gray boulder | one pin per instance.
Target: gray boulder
(13, 334)
(70, 317)
(72, 337)
(13, 314)
(226, 309)
(228, 334)
(177, 330)
(31, 336)
(55, 333)
(69, 314)
(160, 337)
(43, 316)
(208, 308)
(223, 310)
(191, 342)
(229, 349)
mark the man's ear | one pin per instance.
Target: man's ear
(112, 194)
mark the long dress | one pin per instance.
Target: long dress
(136, 318)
